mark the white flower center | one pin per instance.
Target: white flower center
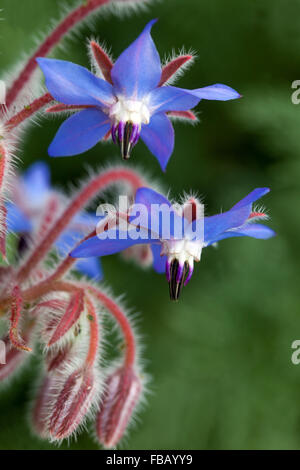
(182, 250)
(133, 111)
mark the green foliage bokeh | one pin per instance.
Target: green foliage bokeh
(220, 358)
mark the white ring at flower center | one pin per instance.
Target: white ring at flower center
(133, 111)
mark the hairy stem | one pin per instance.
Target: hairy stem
(28, 111)
(71, 20)
(121, 319)
(3, 172)
(98, 183)
(94, 333)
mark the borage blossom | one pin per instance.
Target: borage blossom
(35, 205)
(177, 239)
(130, 101)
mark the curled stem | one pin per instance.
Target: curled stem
(101, 182)
(71, 20)
(121, 319)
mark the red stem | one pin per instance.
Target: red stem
(122, 320)
(28, 111)
(85, 195)
(94, 333)
(33, 293)
(49, 43)
(3, 210)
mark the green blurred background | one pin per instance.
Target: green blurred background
(221, 357)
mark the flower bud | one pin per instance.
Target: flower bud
(123, 390)
(72, 403)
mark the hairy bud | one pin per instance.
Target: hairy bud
(123, 390)
(73, 402)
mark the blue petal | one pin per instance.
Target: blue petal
(216, 224)
(117, 240)
(159, 262)
(148, 196)
(236, 217)
(215, 92)
(79, 133)
(16, 220)
(158, 135)
(252, 230)
(137, 71)
(170, 98)
(37, 181)
(91, 267)
(153, 212)
(72, 84)
(257, 231)
(251, 197)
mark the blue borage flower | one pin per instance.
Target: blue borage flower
(131, 105)
(189, 232)
(31, 193)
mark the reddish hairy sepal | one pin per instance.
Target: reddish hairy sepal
(189, 115)
(123, 390)
(16, 308)
(71, 315)
(72, 403)
(57, 360)
(172, 67)
(193, 209)
(14, 358)
(102, 60)
(256, 215)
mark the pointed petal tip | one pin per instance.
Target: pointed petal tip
(151, 23)
(263, 191)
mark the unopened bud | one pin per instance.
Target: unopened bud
(72, 403)
(123, 389)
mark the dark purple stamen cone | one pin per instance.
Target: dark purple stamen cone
(126, 135)
(176, 278)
